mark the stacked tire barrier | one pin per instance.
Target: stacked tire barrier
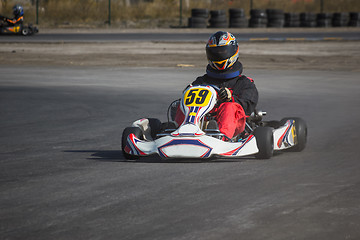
(307, 20)
(354, 19)
(340, 19)
(292, 20)
(324, 20)
(237, 18)
(218, 19)
(258, 18)
(276, 18)
(199, 18)
(271, 18)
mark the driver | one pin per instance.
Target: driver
(15, 23)
(238, 94)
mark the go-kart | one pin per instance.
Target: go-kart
(25, 30)
(199, 137)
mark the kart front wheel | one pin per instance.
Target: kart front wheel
(265, 142)
(300, 132)
(155, 126)
(127, 131)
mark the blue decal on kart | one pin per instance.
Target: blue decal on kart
(285, 137)
(244, 142)
(194, 142)
(131, 146)
(192, 114)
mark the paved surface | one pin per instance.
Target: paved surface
(63, 176)
(188, 35)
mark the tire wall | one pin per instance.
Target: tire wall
(269, 18)
(199, 18)
(218, 19)
(237, 18)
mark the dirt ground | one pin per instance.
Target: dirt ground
(320, 55)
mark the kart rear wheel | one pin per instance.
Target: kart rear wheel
(127, 131)
(25, 31)
(265, 142)
(300, 132)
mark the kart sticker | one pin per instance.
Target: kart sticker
(197, 97)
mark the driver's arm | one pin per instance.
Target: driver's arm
(246, 94)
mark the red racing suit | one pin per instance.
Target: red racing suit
(230, 116)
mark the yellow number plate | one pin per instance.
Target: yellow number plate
(197, 97)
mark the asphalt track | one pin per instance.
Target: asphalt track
(63, 175)
(181, 36)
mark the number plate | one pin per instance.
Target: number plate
(197, 97)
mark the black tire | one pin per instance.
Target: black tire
(300, 131)
(238, 20)
(258, 13)
(265, 142)
(155, 126)
(274, 124)
(218, 19)
(217, 13)
(307, 17)
(276, 18)
(354, 23)
(292, 24)
(127, 131)
(340, 19)
(323, 23)
(324, 16)
(341, 16)
(292, 17)
(310, 24)
(34, 30)
(355, 16)
(339, 23)
(276, 23)
(218, 23)
(221, 18)
(238, 23)
(200, 12)
(236, 13)
(275, 14)
(197, 22)
(25, 31)
(259, 21)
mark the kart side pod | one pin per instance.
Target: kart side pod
(137, 142)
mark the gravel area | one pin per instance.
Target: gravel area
(321, 55)
(325, 55)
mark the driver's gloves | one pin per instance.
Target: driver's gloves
(225, 94)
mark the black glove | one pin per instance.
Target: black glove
(225, 94)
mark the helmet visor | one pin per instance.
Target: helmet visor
(221, 52)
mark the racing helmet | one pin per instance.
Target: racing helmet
(18, 10)
(222, 50)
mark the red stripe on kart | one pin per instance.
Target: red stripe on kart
(282, 136)
(234, 152)
(133, 139)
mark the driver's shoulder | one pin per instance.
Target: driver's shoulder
(206, 79)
